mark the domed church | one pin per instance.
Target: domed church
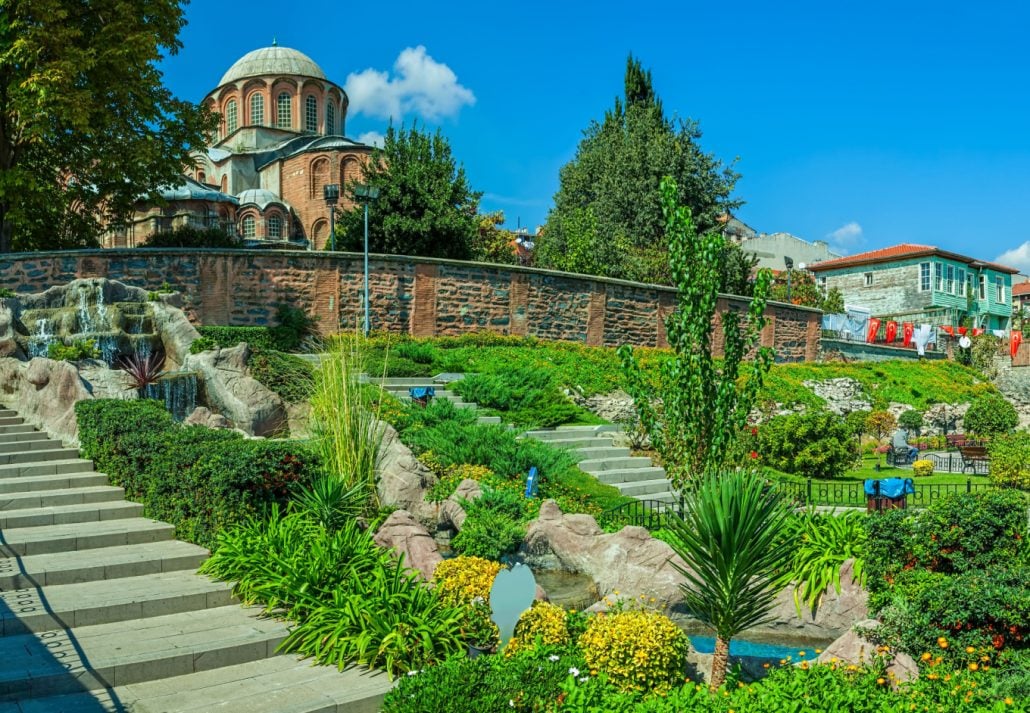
(280, 140)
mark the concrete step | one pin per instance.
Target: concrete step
(82, 536)
(600, 451)
(8, 412)
(38, 456)
(281, 684)
(666, 497)
(439, 393)
(489, 420)
(55, 498)
(122, 653)
(50, 467)
(67, 514)
(12, 420)
(567, 432)
(99, 564)
(25, 436)
(36, 442)
(65, 606)
(399, 381)
(630, 475)
(625, 463)
(50, 481)
(643, 488)
(18, 428)
(583, 442)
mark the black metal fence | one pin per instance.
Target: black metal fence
(951, 462)
(652, 513)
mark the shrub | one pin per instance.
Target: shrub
(1010, 459)
(822, 543)
(461, 579)
(203, 344)
(288, 376)
(923, 468)
(492, 527)
(526, 397)
(543, 624)
(201, 480)
(293, 327)
(452, 477)
(911, 420)
(78, 349)
(989, 415)
(815, 444)
(637, 650)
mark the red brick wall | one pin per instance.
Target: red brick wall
(417, 296)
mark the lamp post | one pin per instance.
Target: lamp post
(789, 262)
(366, 194)
(331, 192)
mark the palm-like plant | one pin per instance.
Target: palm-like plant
(729, 538)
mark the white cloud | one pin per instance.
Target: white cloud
(1018, 257)
(419, 85)
(372, 138)
(846, 237)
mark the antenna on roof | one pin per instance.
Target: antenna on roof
(275, 43)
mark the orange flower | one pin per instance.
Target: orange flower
(926, 656)
(942, 642)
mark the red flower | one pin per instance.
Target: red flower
(754, 431)
(754, 454)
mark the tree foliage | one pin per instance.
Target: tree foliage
(702, 404)
(607, 217)
(86, 126)
(425, 205)
(833, 303)
(493, 243)
(989, 415)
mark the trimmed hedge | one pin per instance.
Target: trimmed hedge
(278, 339)
(198, 479)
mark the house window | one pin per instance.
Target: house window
(231, 116)
(284, 115)
(249, 227)
(822, 283)
(275, 228)
(868, 279)
(938, 274)
(999, 289)
(311, 114)
(949, 280)
(961, 282)
(330, 119)
(983, 287)
(924, 277)
(257, 110)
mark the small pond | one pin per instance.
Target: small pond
(745, 648)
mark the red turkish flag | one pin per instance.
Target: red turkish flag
(892, 331)
(977, 331)
(949, 330)
(874, 327)
(907, 329)
(963, 330)
(1015, 339)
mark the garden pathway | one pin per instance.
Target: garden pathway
(101, 609)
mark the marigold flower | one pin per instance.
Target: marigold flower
(880, 681)
(942, 642)
(926, 656)
(974, 666)
(970, 650)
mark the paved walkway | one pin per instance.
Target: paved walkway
(101, 609)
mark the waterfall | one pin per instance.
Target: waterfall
(39, 343)
(178, 391)
(86, 321)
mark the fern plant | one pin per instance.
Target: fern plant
(822, 543)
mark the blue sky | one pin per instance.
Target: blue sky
(866, 124)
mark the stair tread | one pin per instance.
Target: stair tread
(78, 512)
(18, 500)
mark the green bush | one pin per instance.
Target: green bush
(814, 444)
(78, 349)
(989, 415)
(293, 327)
(492, 528)
(188, 236)
(822, 543)
(203, 344)
(526, 397)
(198, 479)
(1010, 460)
(289, 376)
(911, 421)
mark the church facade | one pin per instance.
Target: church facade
(280, 140)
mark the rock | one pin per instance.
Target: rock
(842, 395)
(625, 564)
(44, 393)
(405, 536)
(228, 388)
(8, 346)
(452, 512)
(202, 416)
(403, 480)
(616, 407)
(177, 334)
(938, 416)
(105, 383)
(835, 615)
(853, 648)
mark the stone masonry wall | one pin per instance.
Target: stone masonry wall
(418, 296)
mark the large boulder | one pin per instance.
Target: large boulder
(853, 648)
(44, 393)
(842, 395)
(402, 533)
(202, 416)
(452, 513)
(228, 389)
(177, 334)
(835, 615)
(403, 480)
(8, 346)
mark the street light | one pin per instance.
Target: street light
(366, 194)
(331, 192)
(789, 262)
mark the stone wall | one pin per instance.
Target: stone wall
(419, 296)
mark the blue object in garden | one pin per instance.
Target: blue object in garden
(531, 483)
(422, 395)
(890, 487)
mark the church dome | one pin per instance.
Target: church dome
(260, 197)
(271, 61)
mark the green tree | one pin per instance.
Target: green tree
(729, 539)
(86, 126)
(607, 217)
(879, 425)
(803, 290)
(833, 303)
(702, 403)
(990, 415)
(911, 420)
(815, 444)
(738, 270)
(425, 205)
(492, 242)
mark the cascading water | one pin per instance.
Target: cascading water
(39, 343)
(178, 391)
(96, 319)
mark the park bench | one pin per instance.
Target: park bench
(960, 440)
(971, 455)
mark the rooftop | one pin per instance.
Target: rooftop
(271, 61)
(903, 251)
(1023, 288)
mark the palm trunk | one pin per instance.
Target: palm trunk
(720, 662)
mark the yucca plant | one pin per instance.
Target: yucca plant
(330, 501)
(730, 539)
(143, 370)
(344, 421)
(821, 543)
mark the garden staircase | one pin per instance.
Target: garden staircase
(399, 388)
(101, 609)
(634, 476)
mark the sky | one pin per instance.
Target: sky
(864, 124)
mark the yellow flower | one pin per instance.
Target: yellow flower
(973, 666)
(1009, 701)
(880, 681)
(942, 642)
(765, 665)
(970, 649)
(801, 653)
(818, 651)
(926, 656)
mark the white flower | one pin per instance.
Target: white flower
(574, 672)
(553, 657)
(584, 679)
(412, 673)
(511, 703)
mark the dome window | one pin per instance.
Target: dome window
(249, 228)
(330, 119)
(232, 116)
(275, 228)
(311, 114)
(284, 117)
(257, 110)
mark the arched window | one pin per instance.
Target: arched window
(249, 227)
(225, 184)
(274, 229)
(330, 118)
(201, 177)
(257, 109)
(319, 176)
(231, 116)
(311, 114)
(284, 115)
(320, 233)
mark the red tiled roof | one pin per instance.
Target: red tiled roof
(898, 252)
(1023, 288)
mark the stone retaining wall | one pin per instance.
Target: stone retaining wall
(418, 296)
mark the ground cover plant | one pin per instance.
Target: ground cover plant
(820, 544)
(523, 397)
(1010, 460)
